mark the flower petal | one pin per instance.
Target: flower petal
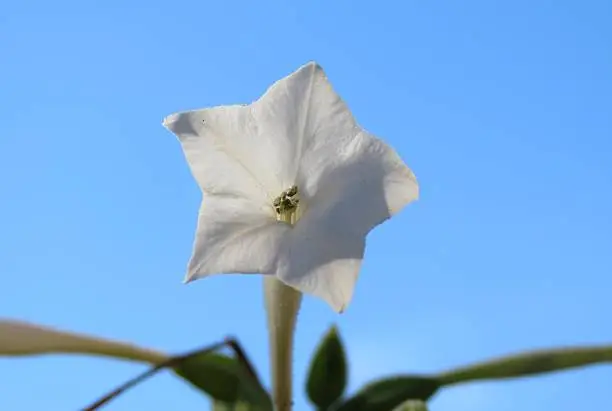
(235, 236)
(323, 261)
(363, 180)
(360, 186)
(226, 154)
(22, 338)
(300, 112)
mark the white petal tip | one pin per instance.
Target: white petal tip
(310, 68)
(313, 64)
(168, 121)
(416, 194)
(339, 309)
(189, 277)
(417, 187)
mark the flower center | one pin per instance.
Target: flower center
(287, 205)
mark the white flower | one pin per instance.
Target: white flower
(22, 338)
(294, 156)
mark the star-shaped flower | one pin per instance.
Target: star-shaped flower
(291, 186)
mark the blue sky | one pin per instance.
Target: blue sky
(502, 109)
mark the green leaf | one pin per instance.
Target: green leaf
(385, 395)
(328, 372)
(535, 362)
(225, 379)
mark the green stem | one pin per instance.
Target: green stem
(282, 306)
(21, 338)
(535, 362)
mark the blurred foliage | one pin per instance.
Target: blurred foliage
(327, 376)
(412, 405)
(233, 385)
(226, 380)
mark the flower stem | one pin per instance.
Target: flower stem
(282, 306)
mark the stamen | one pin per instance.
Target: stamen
(286, 205)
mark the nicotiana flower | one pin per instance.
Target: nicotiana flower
(291, 186)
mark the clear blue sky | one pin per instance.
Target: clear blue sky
(502, 109)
